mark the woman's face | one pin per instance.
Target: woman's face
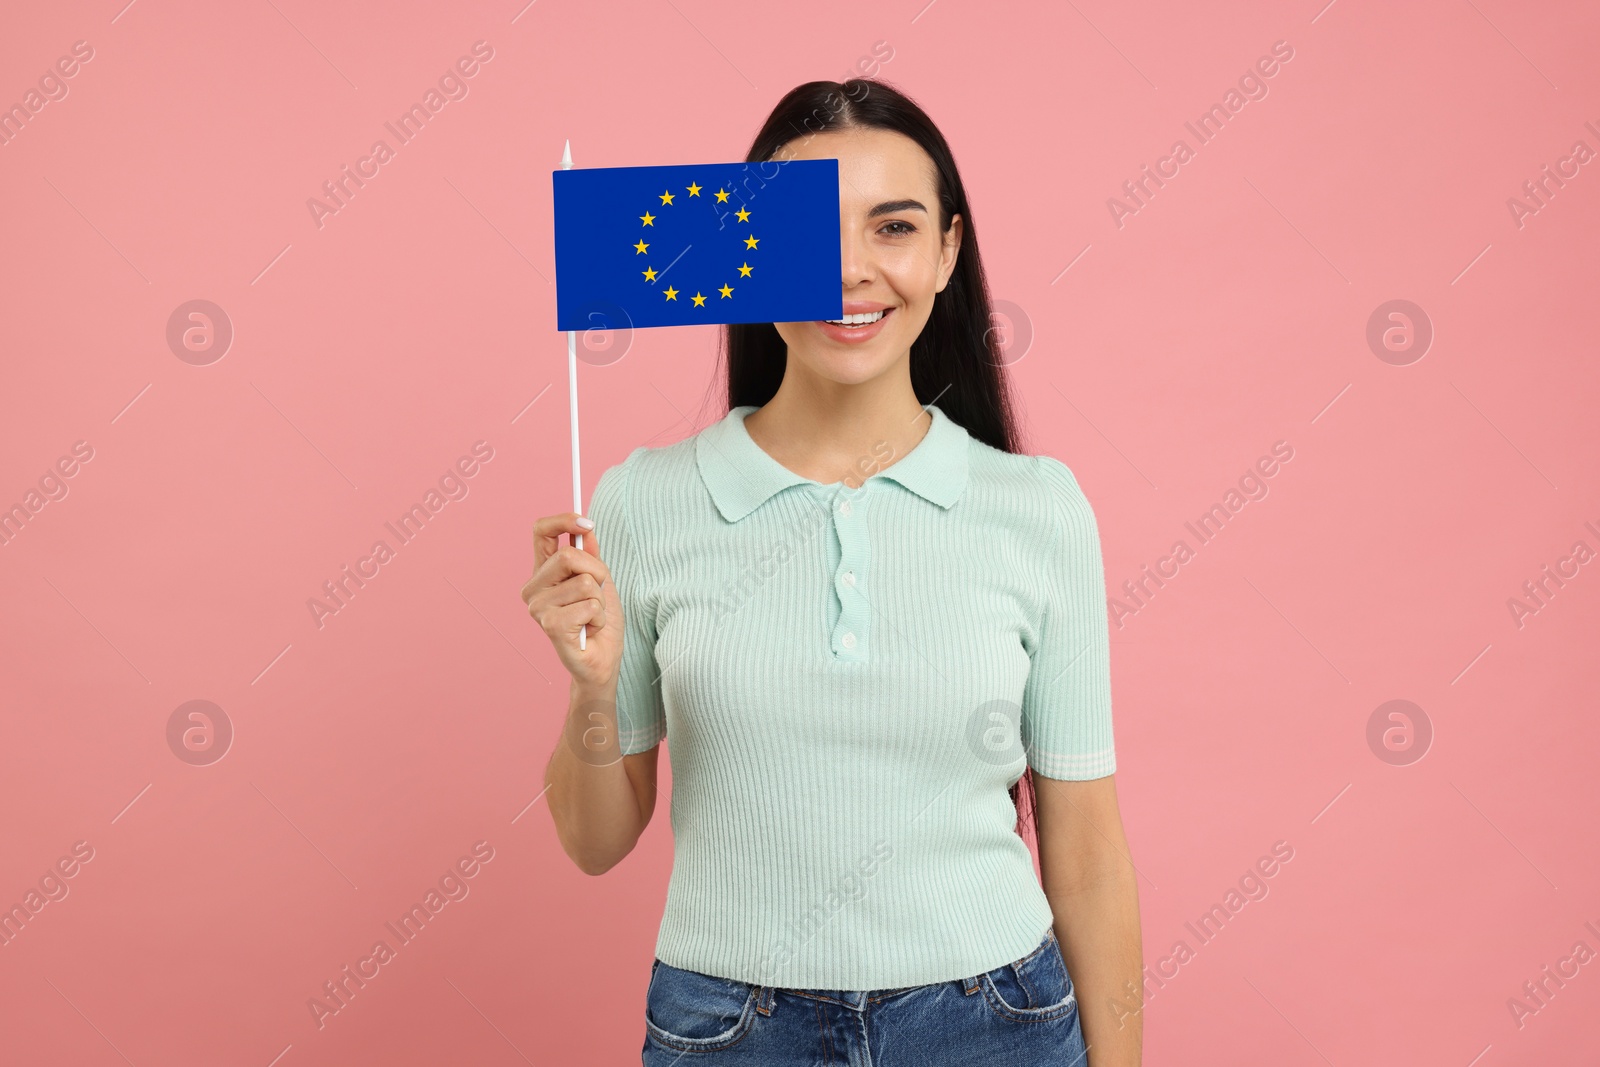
(893, 257)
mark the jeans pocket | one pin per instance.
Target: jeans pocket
(1035, 988)
(693, 1012)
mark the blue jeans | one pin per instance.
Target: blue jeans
(1021, 1013)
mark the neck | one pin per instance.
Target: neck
(830, 431)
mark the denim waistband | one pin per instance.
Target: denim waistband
(858, 999)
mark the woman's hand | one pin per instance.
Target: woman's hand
(572, 588)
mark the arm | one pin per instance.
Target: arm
(1094, 895)
(601, 800)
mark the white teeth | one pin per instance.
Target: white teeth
(863, 319)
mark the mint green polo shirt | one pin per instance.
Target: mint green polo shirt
(849, 681)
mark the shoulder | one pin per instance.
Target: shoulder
(645, 477)
(1040, 491)
(1016, 473)
(1060, 483)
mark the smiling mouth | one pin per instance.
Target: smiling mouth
(864, 319)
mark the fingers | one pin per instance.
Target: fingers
(591, 542)
(567, 576)
(551, 525)
(566, 621)
(547, 533)
(566, 561)
(578, 587)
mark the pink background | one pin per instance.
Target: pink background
(370, 353)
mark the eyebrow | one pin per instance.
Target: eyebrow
(890, 207)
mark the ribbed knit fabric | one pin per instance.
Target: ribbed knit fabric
(849, 681)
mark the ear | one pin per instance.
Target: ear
(948, 252)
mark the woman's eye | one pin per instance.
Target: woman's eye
(897, 229)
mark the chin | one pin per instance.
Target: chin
(850, 368)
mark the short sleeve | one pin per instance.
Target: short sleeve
(641, 715)
(1066, 705)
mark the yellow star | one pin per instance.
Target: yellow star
(699, 301)
(650, 220)
(744, 270)
(722, 197)
(694, 190)
(726, 290)
(641, 248)
(672, 294)
(666, 198)
(744, 216)
(649, 274)
(750, 242)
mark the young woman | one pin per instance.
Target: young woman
(869, 626)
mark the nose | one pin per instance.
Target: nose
(855, 254)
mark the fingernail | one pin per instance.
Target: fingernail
(585, 524)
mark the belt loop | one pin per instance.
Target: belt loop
(765, 997)
(971, 986)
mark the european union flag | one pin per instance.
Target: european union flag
(677, 246)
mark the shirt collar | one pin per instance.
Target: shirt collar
(741, 476)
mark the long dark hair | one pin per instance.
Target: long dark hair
(956, 361)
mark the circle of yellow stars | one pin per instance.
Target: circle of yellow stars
(642, 247)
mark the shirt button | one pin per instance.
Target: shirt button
(844, 509)
(848, 640)
(849, 577)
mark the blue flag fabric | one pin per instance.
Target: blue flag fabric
(679, 246)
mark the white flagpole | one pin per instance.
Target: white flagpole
(572, 403)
